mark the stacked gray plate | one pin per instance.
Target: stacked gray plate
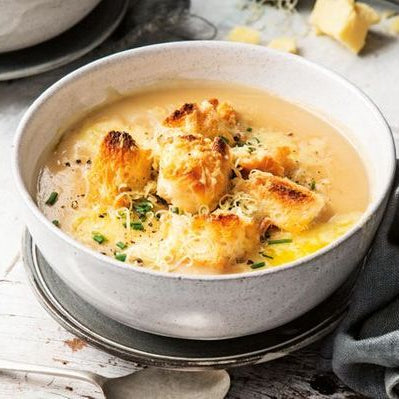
(86, 322)
(66, 47)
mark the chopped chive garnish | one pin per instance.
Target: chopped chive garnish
(137, 226)
(249, 129)
(266, 255)
(225, 139)
(56, 222)
(281, 241)
(121, 245)
(98, 238)
(143, 207)
(313, 185)
(134, 225)
(120, 256)
(52, 199)
(251, 149)
(257, 265)
(176, 210)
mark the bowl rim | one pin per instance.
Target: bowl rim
(201, 44)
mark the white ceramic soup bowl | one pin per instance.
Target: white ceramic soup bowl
(24, 23)
(204, 307)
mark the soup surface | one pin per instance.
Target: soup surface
(203, 178)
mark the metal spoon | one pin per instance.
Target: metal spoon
(150, 383)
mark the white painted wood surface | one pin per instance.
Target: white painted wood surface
(27, 332)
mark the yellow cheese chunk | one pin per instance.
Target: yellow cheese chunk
(286, 44)
(394, 26)
(344, 20)
(244, 34)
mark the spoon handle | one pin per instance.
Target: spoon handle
(7, 365)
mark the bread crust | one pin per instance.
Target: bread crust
(289, 206)
(194, 172)
(120, 166)
(209, 118)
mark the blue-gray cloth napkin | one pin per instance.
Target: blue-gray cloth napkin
(366, 345)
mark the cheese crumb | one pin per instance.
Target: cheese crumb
(244, 34)
(286, 44)
(394, 25)
(344, 20)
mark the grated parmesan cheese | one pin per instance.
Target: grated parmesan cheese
(217, 236)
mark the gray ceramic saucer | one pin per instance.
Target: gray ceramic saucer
(83, 320)
(70, 45)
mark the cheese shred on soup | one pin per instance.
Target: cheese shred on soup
(201, 178)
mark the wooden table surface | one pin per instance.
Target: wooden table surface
(27, 332)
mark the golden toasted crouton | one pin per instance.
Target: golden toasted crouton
(209, 118)
(290, 207)
(211, 241)
(119, 166)
(274, 161)
(193, 171)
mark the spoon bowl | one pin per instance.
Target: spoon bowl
(149, 383)
(152, 383)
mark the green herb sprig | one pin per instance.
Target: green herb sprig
(280, 241)
(99, 238)
(257, 265)
(135, 225)
(52, 199)
(143, 207)
(121, 245)
(266, 255)
(313, 185)
(120, 256)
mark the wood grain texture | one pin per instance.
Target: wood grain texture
(27, 332)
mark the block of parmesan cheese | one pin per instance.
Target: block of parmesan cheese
(286, 44)
(244, 34)
(344, 20)
(394, 26)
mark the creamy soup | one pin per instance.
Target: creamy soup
(203, 178)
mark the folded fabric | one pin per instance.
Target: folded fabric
(366, 345)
